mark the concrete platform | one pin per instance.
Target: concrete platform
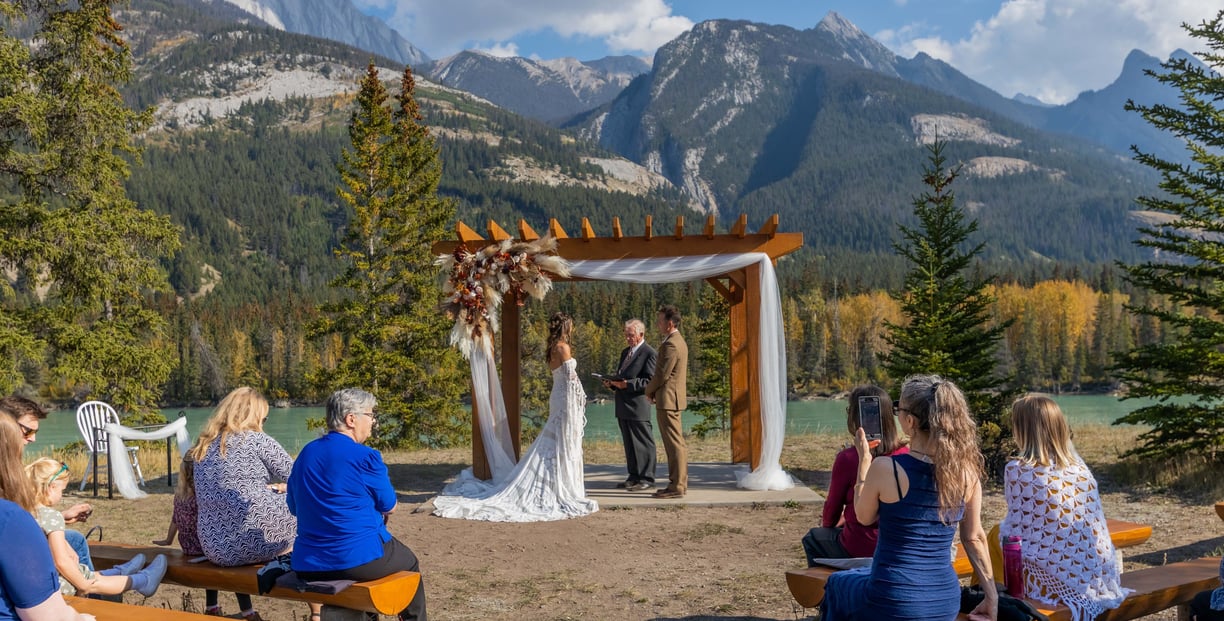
(709, 485)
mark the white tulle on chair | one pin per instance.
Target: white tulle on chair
(121, 469)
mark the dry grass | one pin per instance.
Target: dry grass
(669, 563)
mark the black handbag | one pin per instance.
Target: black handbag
(1010, 608)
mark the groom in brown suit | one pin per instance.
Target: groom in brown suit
(668, 391)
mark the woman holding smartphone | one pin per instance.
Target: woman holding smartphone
(840, 534)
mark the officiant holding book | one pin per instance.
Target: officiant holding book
(637, 365)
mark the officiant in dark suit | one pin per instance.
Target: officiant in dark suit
(637, 365)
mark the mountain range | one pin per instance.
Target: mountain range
(825, 126)
(555, 90)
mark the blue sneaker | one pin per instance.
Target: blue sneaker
(152, 575)
(130, 567)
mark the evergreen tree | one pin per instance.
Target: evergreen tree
(948, 331)
(713, 331)
(1183, 368)
(88, 254)
(396, 339)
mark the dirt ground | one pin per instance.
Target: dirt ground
(666, 563)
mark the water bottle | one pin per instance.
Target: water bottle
(1013, 567)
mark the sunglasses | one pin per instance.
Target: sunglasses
(27, 432)
(62, 469)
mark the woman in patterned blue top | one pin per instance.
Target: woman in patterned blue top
(919, 500)
(243, 519)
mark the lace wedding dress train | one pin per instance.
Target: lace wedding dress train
(547, 483)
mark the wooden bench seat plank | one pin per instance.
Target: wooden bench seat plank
(115, 611)
(1156, 589)
(807, 585)
(1220, 509)
(386, 596)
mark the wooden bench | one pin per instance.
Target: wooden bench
(807, 585)
(115, 611)
(1156, 589)
(1220, 509)
(385, 596)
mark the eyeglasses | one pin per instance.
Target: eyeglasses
(373, 416)
(897, 408)
(27, 432)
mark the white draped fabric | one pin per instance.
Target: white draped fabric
(491, 412)
(772, 356)
(121, 468)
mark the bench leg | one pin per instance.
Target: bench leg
(1183, 612)
(332, 613)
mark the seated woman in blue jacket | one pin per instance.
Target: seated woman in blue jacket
(341, 493)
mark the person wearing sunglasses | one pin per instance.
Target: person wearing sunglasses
(921, 500)
(29, 583)
(29, 416)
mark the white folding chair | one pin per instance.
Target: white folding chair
(92, 417)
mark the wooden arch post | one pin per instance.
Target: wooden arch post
(742, 290)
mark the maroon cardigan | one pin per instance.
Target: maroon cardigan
(857, 539)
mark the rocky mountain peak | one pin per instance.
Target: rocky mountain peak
(337, 20)
(857, 46)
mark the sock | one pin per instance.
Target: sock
(125, 569)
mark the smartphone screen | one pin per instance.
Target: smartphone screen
(869, 417)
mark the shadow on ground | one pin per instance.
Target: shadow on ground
(417, 483)
(818, 479)
(1197, 549)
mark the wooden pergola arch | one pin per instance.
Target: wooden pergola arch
(740, 287)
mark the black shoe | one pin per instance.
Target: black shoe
(639, 486)
(626, 484)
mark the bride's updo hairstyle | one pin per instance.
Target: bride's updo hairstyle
(942, 412)
(560, 326)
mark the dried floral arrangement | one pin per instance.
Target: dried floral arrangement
(479, 280)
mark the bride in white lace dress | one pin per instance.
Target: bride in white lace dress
(547, 483)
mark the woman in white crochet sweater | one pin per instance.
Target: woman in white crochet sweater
(1054, 507)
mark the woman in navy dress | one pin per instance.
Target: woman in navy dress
(920, 499)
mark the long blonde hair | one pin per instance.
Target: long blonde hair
(244, 409)
(14, 484)
(42, 472)
(941, 410)
(1041, 432)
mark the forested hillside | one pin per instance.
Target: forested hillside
(250, 121)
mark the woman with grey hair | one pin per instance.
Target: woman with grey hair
(341, 494)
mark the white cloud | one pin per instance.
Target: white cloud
(503, 50)
(625, 26)
(1054, 49)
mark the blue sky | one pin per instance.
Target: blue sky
(1051, 49)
